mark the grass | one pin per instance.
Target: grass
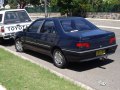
(19, 74)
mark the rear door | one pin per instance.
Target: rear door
(15, 21)
(31, 33)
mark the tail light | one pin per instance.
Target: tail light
(112, 40)
(2, 29)
(83, 44)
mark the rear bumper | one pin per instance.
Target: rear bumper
(88, 55)
(6, 36)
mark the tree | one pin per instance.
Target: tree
(65, 6)
(12, 3)
(71, 7)
(112, 5)
(5, 2)
(22, 3)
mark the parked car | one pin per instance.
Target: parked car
(66, 40)
(12, 21)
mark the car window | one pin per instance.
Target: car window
(82, 25)
(67, 25)
(16, 17)
(1, 17)
(48, 27)
(23, 16)
(11, 17)
(35, 26)
(78, 24)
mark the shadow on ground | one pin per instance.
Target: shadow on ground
(89, 65)
(75, 66)
(40, 56)
(8, 42)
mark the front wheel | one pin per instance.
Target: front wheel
(18, 45)
(59, 59)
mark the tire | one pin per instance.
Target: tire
(1, 40)
(59, 59)
(18, 45)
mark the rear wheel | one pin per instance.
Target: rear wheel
(18, 45)
(59, 59)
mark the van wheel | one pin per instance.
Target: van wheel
(1, 40)
(18, 45)
(59, 59)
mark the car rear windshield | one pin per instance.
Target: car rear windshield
(77, 24)
(16, 17)
(1, 17)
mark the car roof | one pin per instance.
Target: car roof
(60, 18)
(3, 11)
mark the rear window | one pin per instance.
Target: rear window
(1, 17)
(78, 24)
(16, 17)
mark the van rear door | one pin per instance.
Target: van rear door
(15, 21)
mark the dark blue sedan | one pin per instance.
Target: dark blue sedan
(68, 39)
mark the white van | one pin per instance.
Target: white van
(12, 21)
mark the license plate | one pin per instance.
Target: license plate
(100, 52)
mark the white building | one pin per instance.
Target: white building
(1, 3)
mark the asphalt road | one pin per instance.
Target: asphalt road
(100, 75)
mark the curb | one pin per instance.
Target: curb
(52, 71)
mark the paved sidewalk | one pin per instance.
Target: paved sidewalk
(2, 88)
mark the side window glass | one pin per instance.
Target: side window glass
(35, 26)
(48, 27)
(23, 16)
(11, 17)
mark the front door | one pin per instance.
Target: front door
(31, 33)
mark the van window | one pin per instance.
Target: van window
(16, 17)
(23, 16)
(1, 17)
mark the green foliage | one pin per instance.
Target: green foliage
(80, 7)
(35, 2)
(71, 7)
(111, 5)
(22, 3)
(12, 3)
(65, 6)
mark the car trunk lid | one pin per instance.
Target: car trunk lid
(97, 38)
